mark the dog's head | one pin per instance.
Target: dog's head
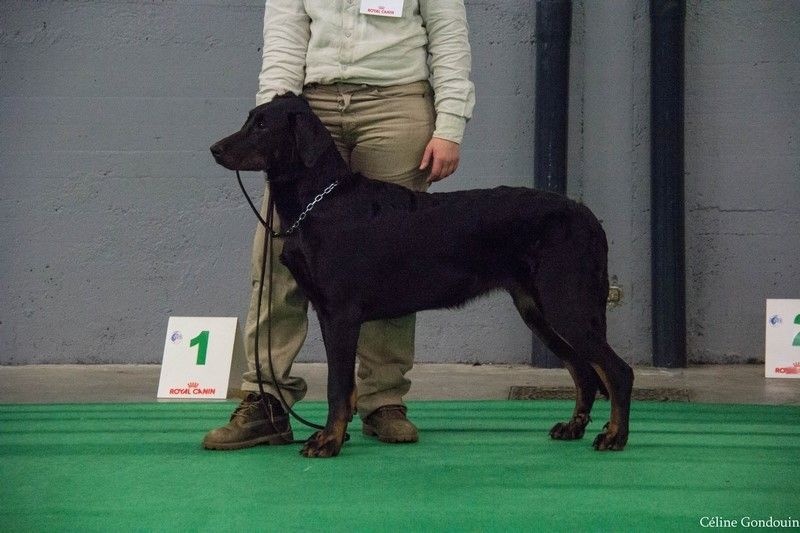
(279, 134)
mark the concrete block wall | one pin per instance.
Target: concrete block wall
(742, 171)
(114, 217)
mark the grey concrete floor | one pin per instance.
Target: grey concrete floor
(138, 383)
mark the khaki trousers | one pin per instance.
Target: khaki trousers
(382, 133)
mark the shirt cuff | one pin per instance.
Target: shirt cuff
(450, 127)
(265, 95)
(262, 97)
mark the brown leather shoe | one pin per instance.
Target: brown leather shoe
(389, 424)
(251, 424)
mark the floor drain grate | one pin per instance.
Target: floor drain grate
(657, 394)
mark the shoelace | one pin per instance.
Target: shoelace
(243, 410)
(248, 405)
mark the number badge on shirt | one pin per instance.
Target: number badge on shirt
(382, 8)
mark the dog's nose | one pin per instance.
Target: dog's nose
(216, 150)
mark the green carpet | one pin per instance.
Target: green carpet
(479, 466)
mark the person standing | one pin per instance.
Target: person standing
(390, 81)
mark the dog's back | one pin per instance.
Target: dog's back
(451, 247)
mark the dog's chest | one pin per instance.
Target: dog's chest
(299, 264)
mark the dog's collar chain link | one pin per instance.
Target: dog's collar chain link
(317, 199)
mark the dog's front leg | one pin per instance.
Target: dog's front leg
(340, 338)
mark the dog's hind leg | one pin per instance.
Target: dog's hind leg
(618, 378)
(340, 338)
(578, 319)
(568, 277)
(583, 375)
(580, 341)
(586, 385)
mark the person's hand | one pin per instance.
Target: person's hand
(442, 157)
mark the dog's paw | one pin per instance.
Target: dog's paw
(572, 430)
(610, 439)
(322, 444)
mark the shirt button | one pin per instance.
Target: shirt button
(347, 34)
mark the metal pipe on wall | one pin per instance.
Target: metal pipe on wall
(552, 35)
(667, 182)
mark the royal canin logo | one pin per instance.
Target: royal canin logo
(192, 388)
(795, 369)
(380, 10)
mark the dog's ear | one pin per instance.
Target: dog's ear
(310, 136)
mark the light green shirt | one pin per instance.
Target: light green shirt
(329, 41)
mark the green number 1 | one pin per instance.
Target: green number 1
(796, 341)
(202, 341)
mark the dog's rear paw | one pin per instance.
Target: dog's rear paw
(571, 430)
(610, 439)
(322, 444)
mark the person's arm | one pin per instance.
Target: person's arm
(286, 35)
(450, 62)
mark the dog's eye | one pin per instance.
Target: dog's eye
(260, 123)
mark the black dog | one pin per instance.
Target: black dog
(370, 250)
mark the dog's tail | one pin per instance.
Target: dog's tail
(596, 256)
(563, 283)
